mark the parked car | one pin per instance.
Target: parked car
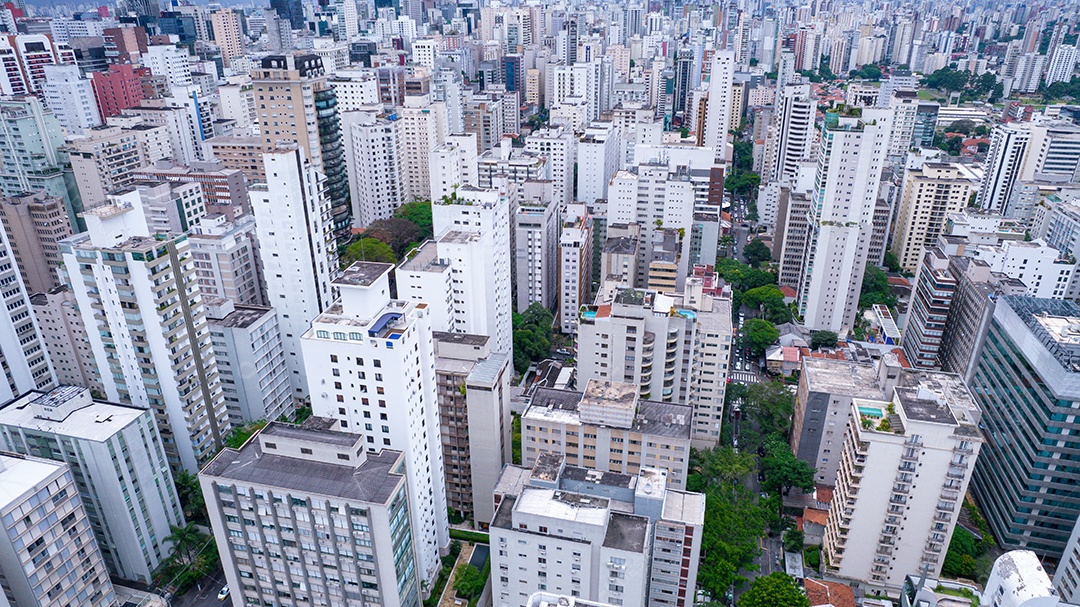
(224, 594)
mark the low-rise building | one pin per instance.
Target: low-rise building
(619, 539)
(610, 428)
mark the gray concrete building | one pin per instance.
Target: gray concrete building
(117, 459)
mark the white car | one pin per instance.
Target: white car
(224, 594)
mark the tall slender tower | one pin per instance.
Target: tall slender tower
(853, 149)
(718, 113)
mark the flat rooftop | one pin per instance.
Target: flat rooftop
(425, 258)
(684, 506)
(920, 406)
(363, 273)
(842, 377)
(20, 475)
(242, 317)
(598, 477)
(667, 420)
(609, 394)
(373, 481)
(626, 532)
(315, 429)
(96, 421)
(621, 245)
(467, 339)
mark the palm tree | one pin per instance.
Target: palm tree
(186, 542)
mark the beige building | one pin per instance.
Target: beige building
(243, 154)
(65, 339)
(608, 427)
(928, 195)
(106, 158)
(227, 33)
(35, 223)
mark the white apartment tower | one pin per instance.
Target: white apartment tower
(598, 157)
(905, 468)
(718, 111)
(423, 128)
(299, 258)
(453, 164)
(71, 98)
(559, 146)
(373, 160)
(23, 356)
(146, 324)
(853, 148)
(337, 514)
(536, 246)
(371, 367)
(465, 273)
(575, 266)
(793, 134)
(65, 338)
(48, 552)
(118, 461)
(1004, 162)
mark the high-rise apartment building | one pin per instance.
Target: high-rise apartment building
(423, 128)
(117, 89)
(301, 109)
(35, 224)
(1004, 162)
(906, 462)
(559, 146)
(575, 265)
(118, 461)
(296, 245)
(65, 339)
(228, 34)
(305, 515)
(474, 416)
(106, 158)
(226, 259)
(32, 137)
(373, 159)
(71, 97)
(932, 294)
(1028, 501)
(23, 356)
(48, 551)
(251, 360)
(370, 362)
(536, 246)
(224, 190)
(928, 195)
(792, 137)
(718, 111)
(171, 62)
(465, 273)
(619, 539)
(852, 154)
(146, 324)
(598, 157)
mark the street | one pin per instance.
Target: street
(207, 596)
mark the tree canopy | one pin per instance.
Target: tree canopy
(946, 79)
(470, 581)
(758, 335)
(770, 405)
(777, 589)
(741, 276)
(784, 471)
(722, 464)
(400, 234)
(770, 300)
(742, 182)
(418, 212)
(756, 253)
(532, 335)
(823, 339)
(875, 289)
(368, 249)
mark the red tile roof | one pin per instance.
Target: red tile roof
(829, 593)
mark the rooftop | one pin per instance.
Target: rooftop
(363, 273)
(243, 317)
(621, 245)
(460, 338)
(372, 481)
(655, 418)
(20, 475)
(1055, 323)
(626, 532)
(841, 377)
(96, 421)
(425, 258)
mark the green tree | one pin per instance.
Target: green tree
(741, 276)
(533, 334)
(719, 464)
(725, 243)
(470, 581)
(793, 540)
(770, 405)
(947, 79)
(784, 471)
(757, 297)
(756, 253)
(397, 232)
(954, 145)
(758, 335)
(875, 289)
(186, 542)
(777, 589)
(418, 212)
(733, 525)
(963, 125)
(742, 183)
(190, 495)
(823, 339)
(892, 262)
(368, 249)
